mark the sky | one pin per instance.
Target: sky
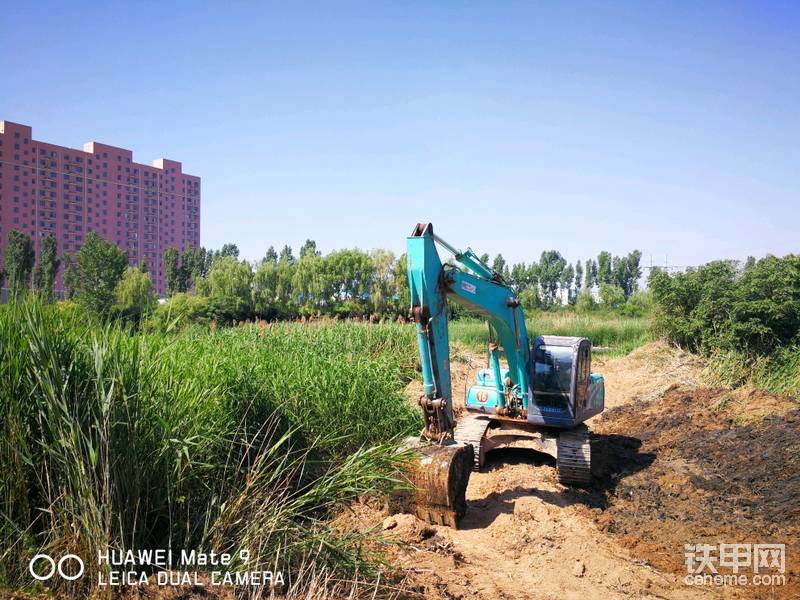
(513, 127)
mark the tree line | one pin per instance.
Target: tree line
(204, 284)
(725, 306)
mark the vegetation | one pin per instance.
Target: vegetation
(19, 260)
(607, 331)
(746, 317)
(353, 283)
(343, 283)
(93, 274)
(44, 278)
(134, 296)
(246, 437)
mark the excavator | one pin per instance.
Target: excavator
(539, 399)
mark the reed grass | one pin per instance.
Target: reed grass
(243, 438)
(609, 332)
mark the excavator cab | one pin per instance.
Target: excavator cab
(565, 391)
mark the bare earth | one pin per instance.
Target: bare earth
(662, 456)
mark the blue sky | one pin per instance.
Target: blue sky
(514, 127)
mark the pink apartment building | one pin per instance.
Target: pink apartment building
(53, 190)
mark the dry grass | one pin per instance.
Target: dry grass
(648, 372)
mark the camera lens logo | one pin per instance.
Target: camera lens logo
(43, 573)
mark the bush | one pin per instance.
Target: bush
(747, 321)
(638, 304)
(180, 311)
(716, 307)
(585, 302)
(612, 296)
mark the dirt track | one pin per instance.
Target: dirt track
(674, 464)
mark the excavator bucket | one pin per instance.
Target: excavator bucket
(439, 476)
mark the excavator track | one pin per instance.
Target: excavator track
(471, 429)
(574, 459)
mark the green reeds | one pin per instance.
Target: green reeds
(244, 438)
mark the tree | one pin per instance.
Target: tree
(47, 269)
(94, 273)
(188, 260)
(307, 281)
(694, 308)
(229, 251)
(519, 277)
(402, 293)
(533, 278)
(485, 259)
(172, 271)
(286, 254)
(566, 279)
(529, 298)
(19, 258)
(265, 290)
(271, 255)
(285, 276)
(382, 288)
(633, 272)
(578, 278)
(585, 301)
(591, 273)
(200, 264)
(603, 268)
(499, 264)
(551, 266)
(765, 312)
(611, 295)
(352, 271)
(229, 289)
(309, 248)
(134, 296)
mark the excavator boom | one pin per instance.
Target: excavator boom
(442, 474)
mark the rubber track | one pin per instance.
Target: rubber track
(574, 456)
(470, 429)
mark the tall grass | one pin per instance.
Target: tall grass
(243, 438)
(778, 372)
(615, 333)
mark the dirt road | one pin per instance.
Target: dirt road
(668, 472)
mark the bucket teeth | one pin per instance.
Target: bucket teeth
(437, 515)
(439, 477)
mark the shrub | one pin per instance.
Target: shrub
(612, 296)
(638, 304)
(180, 311)
(585, 302)
(716, 307)
(747, 320)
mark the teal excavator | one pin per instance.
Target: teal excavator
(539, 399)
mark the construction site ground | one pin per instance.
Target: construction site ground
(674, 463)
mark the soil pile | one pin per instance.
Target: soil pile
(700, 466)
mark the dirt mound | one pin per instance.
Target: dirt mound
(696, 467)
(647, 372)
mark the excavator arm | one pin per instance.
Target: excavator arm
(475, 286)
